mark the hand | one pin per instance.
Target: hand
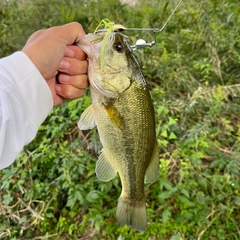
(52, 52)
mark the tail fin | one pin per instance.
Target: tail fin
(135, 216)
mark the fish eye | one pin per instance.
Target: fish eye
(118, 46)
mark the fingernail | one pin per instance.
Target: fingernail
(64, 78)
(64, 64)
(58, 88)
(69, 52)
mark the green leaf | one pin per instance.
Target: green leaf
(71, 201)
(92, 196)
(164, 134)
(165, 183)
(185, 201)
(164, 195)
(165, 215)
(201, 199)
(163, 143)
(171, 121)
(172, 135)
(79, 196)
(237, 200)
(160, 109)
(185, 193)
(5, 184)
(22, 220)
(7, 199)
(176, 237)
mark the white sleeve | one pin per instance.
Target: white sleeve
(25, 102)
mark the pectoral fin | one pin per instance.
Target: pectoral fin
(87, 120)
(152, 172)
(104, 169)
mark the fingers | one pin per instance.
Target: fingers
(71, 87)
(78, 81)
(69, 91)
(61, 92)
(73, 66)
(76, 52)
(73, 77)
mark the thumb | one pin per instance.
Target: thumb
(70, 32)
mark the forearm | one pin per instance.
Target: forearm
(25, 102)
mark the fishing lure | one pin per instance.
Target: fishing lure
(140, 43)
(107, 28)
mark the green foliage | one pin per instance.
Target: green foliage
(51, 191)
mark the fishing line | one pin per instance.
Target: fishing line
(157, 30)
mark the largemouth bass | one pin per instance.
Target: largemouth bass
(123, 112)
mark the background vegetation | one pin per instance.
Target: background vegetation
(51, 192)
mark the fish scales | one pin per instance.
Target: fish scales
(123, 112)
(135, 134)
